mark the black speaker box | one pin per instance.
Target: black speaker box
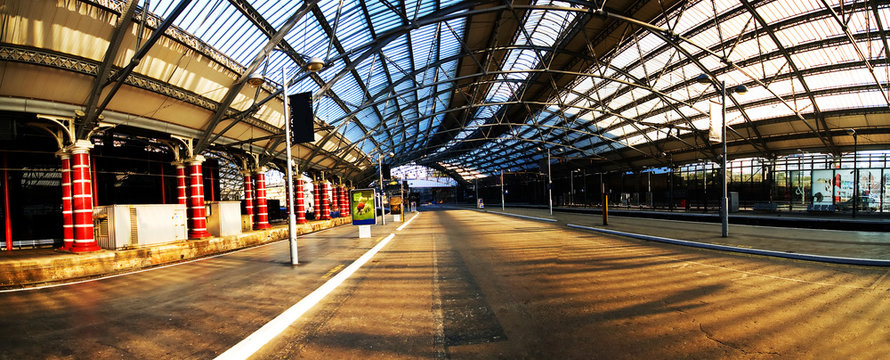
(302, 119)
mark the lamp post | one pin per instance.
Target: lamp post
(402, 206)
(502, 190)
(313, 65)
(380, 169)
(572, 187)
(741, 90)
(855, 171)
(549, 183)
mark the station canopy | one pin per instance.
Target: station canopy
(480, 87)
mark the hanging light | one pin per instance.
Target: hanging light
(315, 64)
(256, 80)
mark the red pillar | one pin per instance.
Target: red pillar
(248, 195)
(344, 205)
(326, 201)
(67, 211)
(197, 212)
(346, 194)
(82, 198)
(316, 200)
(181, 196)
(262, 213)
(301, 203)
(335, 199)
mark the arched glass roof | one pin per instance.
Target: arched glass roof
(487, 86)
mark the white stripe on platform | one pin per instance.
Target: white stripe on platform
(255, 341)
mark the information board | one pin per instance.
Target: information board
(361, 202)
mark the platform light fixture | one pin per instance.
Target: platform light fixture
(291, 217)
(315, 64)
(721, 87)
(256, 79)
(380, 170)
(549, 182)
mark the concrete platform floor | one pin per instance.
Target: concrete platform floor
(463, 284)
(833, 243)
(31, 267)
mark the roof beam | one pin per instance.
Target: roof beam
(235, 89)
(93, 112)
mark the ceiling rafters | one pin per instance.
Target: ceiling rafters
(844, 26)
(268, 30)
(223, 107)
(827, 141)
(319, 16)
(625, 103)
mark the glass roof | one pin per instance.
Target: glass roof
(484, 87)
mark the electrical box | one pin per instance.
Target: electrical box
(129, 226)
(224, 218)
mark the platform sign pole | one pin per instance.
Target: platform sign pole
(605, 209)
(502, 190)
(289, 182)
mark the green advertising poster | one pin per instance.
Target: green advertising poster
(361, 201)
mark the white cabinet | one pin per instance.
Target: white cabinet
(127, 226)
(224, 218)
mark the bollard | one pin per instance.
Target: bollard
(605, 209)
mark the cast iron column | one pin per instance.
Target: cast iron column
(262, 212)
(82, 198)
(197, 212)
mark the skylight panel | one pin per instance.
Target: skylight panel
(769, 111)
(543, 28)
(780, 10)
(328, 110)
(626, 57)
(307, 37)
(693, 16)
(423, 41)
(753, 47)
(840, 78)
(382, 18)
(606, 122)
(708, 38)
(649, 42)
(342, 89)
(807, 32)
(353, 28)
(850, 101)
(641, 71)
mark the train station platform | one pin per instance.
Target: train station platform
(827, 239)
(795, 237)
(30, 267)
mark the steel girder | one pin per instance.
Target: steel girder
(88, 67)
(223, 108)
(118, 78)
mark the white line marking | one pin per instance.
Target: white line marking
(154, 268)
(407, 222)
(520, 216)
(255, 341)
(438, 316)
